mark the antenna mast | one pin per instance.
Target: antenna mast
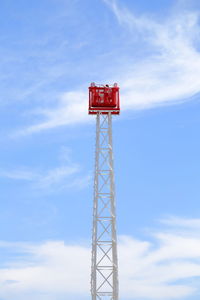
(104, 102)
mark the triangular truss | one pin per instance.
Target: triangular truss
(104, 276)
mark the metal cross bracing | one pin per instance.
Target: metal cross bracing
(104, 275)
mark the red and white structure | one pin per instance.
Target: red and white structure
(104, 102)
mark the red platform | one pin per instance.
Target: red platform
(104, 99)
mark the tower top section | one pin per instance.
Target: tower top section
(104, 99)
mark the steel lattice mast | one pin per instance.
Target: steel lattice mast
(104, 273)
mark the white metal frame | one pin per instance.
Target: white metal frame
(104, 275)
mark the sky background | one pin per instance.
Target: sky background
(50, 51)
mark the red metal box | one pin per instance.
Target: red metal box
(104, 99)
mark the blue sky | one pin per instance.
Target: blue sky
(50, 52)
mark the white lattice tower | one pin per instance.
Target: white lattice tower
(104, 276)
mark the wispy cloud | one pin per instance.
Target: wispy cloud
(57, 175)
(163, 268)
(168, 74)
(19, 174)
(171, 72)
(71, 109)
(66, 175)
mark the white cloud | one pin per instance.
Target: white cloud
(49, 269)
(170, 74)
(163, 268)
(182, 222)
